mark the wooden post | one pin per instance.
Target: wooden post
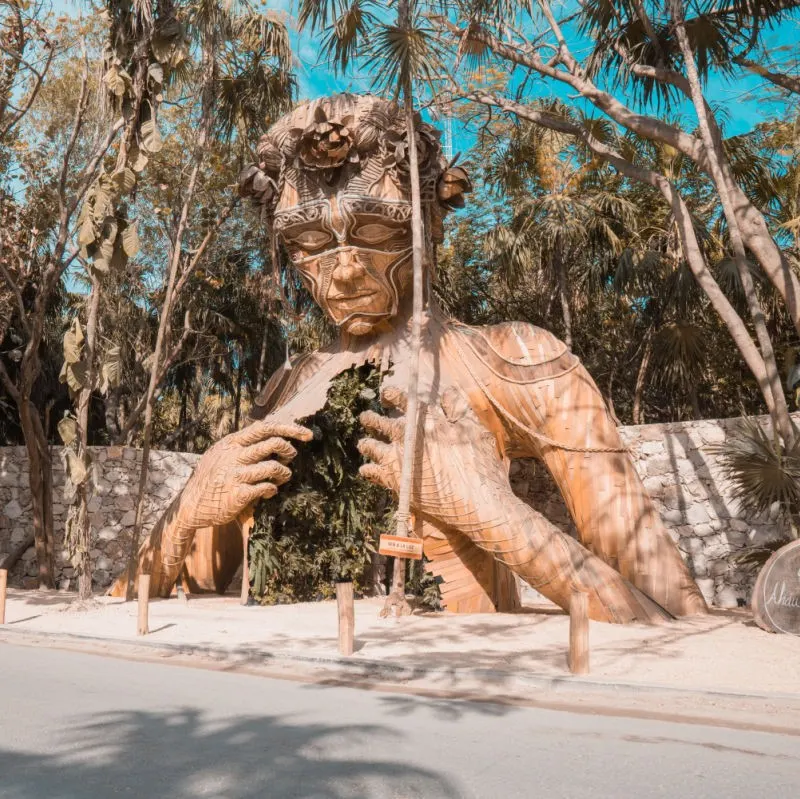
(142, 627)
(344, 604)
(579, 632)
(3, 587)
(246, 521)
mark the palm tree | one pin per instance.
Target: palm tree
(563, 206)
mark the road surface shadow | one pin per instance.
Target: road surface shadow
(184, 754)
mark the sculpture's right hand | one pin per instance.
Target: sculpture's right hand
(237, 471)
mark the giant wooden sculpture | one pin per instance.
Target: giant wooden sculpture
(333, 185)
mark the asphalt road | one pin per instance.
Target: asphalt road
(75, 726)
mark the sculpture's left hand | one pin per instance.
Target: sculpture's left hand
(459, 478)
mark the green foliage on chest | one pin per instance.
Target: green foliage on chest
(325, 523)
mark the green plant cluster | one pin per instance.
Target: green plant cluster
(325, 523)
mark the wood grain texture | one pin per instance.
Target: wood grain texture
(143, 600)
(579, 632)
(346, 614)
(776, 595)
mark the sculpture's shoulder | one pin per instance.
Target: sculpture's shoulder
(516, 351)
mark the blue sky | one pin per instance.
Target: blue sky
(740, 110)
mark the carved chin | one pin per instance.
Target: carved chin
(361, 326)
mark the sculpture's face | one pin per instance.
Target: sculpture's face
(353, 253)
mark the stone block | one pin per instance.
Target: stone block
(673, 517)
(713, 434)
(13, 510)
(727, 597)
(659, 466)
(124, 503)
(707, 588)
(696, 514)
(700, 564)
(128, 518)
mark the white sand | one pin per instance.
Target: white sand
(724, 651)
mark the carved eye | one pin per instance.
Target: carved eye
(375, 233)
(311, 239)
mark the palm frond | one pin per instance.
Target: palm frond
(763, 474)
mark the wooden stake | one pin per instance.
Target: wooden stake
(247, 521)
(347, 618)
(579, 632)
(3, 587)
(142, 627)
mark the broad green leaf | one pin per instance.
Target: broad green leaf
(137, 159)
(77, 374)
(76, 468)
(68, 429)
(156, 73)
(86, 235)
(73, 343)
(125, 180)
(111, 370)
(130, 240)
(151, 137)
(114, 82)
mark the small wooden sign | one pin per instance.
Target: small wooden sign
(398, 546)
(776, 595)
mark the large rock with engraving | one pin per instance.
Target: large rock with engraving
(776, 596)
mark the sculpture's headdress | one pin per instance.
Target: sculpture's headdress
(352, 141)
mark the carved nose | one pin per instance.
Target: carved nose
(347, 268)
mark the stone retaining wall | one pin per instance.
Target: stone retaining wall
(675, 460)
(112, 507)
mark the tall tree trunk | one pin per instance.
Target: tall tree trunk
(261, 377)
(40, 481)
(695, 402)
(182, 419)
(84, 537)
(417, 253)
(780, 412)
(641, 375)
(164, 320)
(563, 294)
(237, 409)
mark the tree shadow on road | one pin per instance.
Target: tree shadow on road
(183, 755)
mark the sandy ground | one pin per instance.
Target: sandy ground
(723, 652)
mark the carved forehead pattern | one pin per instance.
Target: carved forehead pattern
(349, 146)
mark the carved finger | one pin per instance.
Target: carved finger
(377, 424)
(270, 470)
(379, 475)
(277, 447)
(375, 450)
(253, 493)
(260, 431)
(393, 397)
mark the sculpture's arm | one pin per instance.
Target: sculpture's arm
(561, 417)
(233, 474)
(460, 481)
